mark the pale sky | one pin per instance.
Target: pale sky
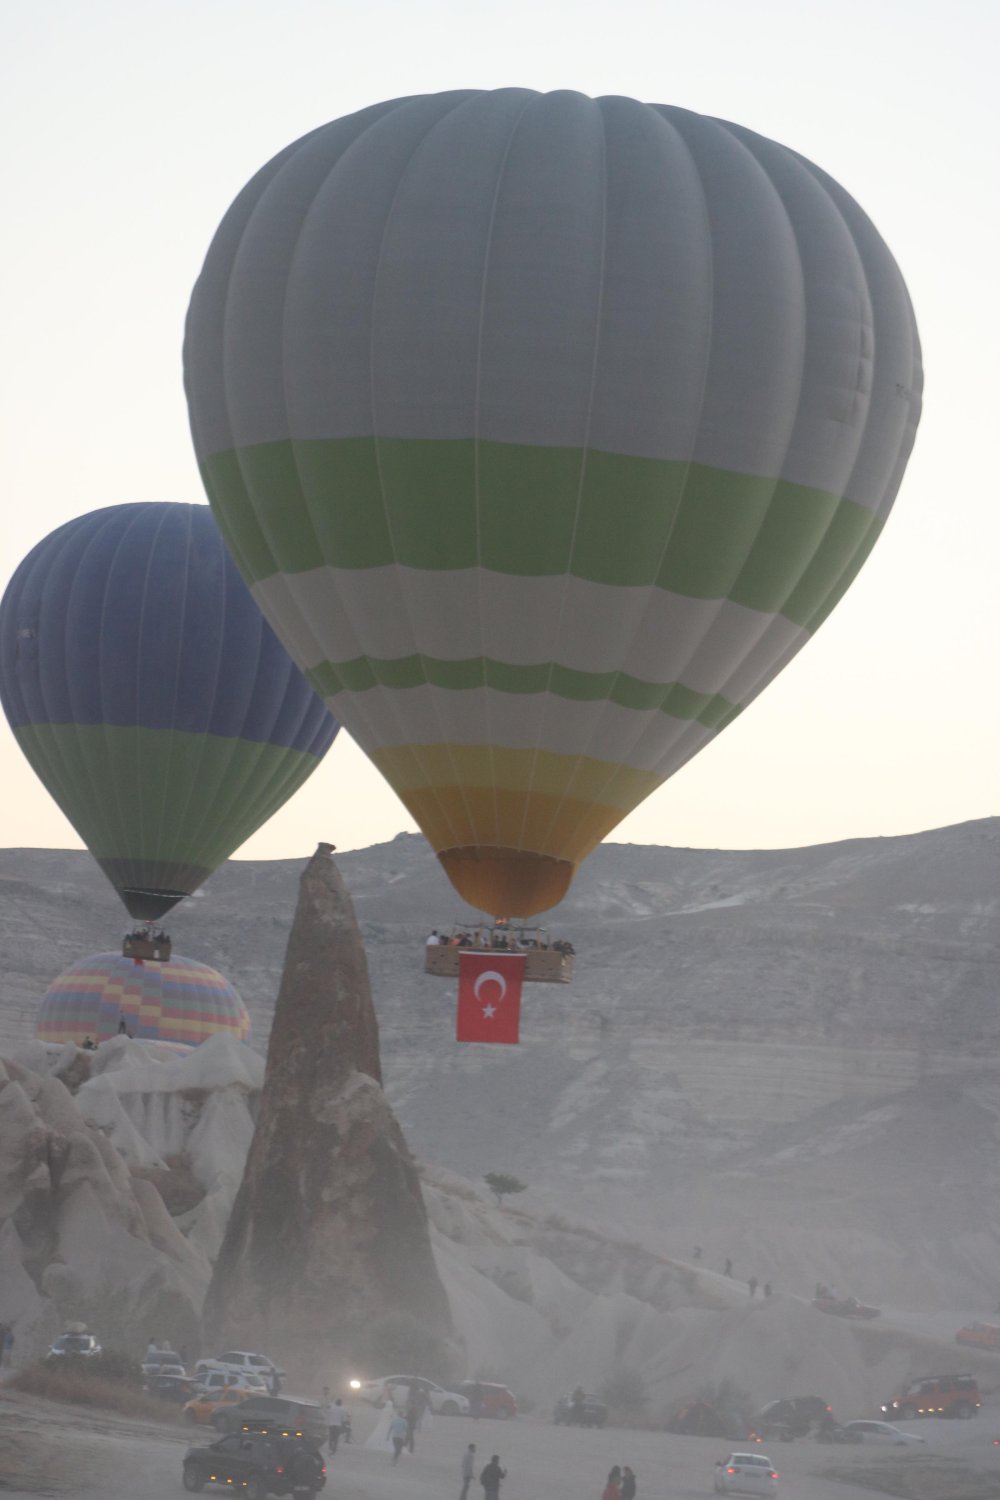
(130, 126)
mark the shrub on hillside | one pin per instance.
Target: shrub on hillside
(71, 1381)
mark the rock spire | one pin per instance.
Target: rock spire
(327, 1260)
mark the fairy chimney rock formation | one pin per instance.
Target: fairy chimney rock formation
(327, 1259)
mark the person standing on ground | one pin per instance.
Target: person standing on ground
(327, 1405)
(397, 1436)
(476, 1401)
(335, 1420)
(468, 1470)
(6, 1344)
(415, 1408)
(576, 1406)
(768, 1289)
(613, 1488)
(752, 1284)
(628, 1484)
(490, 1478)
(727, 1269)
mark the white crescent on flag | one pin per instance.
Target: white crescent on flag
(497, 979)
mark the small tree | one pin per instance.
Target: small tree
(501, 1183)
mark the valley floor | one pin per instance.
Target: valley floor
(48, 1449)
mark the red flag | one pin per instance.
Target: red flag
(489, 996)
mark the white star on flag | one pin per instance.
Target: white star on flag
(489, 1011)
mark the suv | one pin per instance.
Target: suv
(494, 1400)
(259, 1466)
(240, 1362)
(214, 1381)
(935, 1396)
(592, 1412)
(278, 1416)
(790, 1417)
(79, 1345)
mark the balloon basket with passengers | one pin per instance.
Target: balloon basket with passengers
(545, 961)
(147, 944)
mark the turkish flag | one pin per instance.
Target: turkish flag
(489, 996)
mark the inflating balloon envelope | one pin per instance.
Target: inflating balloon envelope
(545, 430)
(152, 699)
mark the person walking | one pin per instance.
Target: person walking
(727, 1269)
(397, 1436)
(613, 1488)
(752, 1284)
(468, 1470)
(768, 1289)
(415, 1408)
(491, 1477)
(476, 1401)
(628, 1484)
(6, 1345)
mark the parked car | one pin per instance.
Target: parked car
(78, 1343)
(936, 1396)
(204, 1404)
(846, 1307)
(982, 1335)
(213, 1381)
(397, 1388)
(594, 1413)
(163, 1367)
(494, 1400)
(790, 1417)
(746, 1474)
(833, 1432)
(278, 1416)
(258, 1466)
(882, 1432)
(241, 1362)
(177, 1389)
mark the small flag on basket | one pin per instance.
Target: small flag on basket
(489, 997)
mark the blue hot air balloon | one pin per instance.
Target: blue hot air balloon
(153, 701)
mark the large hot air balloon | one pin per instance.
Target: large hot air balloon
(546, 430)
(151, 697)
(182, 1001)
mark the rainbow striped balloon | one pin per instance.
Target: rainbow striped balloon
(180, 1001)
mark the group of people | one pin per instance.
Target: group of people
(491, 1476)
(727, 1270)
(499, 940)
(404, 1425)
(621, 1484)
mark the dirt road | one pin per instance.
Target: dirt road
(68, 1452)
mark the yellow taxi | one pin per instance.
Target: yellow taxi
(201, 1409)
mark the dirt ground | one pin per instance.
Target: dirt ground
(64, 1451)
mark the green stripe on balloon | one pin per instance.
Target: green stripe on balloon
(672, 698)
(200, 812)
(769, 545)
